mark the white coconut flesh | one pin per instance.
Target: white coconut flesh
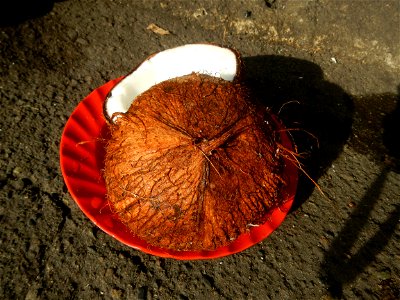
(193, 58)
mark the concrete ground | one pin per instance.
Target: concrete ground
(330, 68)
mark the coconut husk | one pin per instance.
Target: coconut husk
(193, 164)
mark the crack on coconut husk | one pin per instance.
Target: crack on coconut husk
(193, 164)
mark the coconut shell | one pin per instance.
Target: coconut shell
(196, 53)
(193, 164)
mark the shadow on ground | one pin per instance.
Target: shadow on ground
(391, 139)
(17, 11)
(339, 266)
(319, 113)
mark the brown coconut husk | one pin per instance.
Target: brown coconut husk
(193, 164)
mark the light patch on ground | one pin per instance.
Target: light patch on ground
(245, 27)
(372, 50)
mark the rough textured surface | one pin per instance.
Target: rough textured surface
(194, 163)
(335, 64)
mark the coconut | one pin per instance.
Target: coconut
(193, 163)
(205, 59)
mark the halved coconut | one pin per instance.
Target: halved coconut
(204, 59)
(193, 164)
(192, 161)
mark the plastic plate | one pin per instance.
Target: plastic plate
(82, 160)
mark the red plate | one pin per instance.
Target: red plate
(82, 160)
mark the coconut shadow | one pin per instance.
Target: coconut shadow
(319, 112)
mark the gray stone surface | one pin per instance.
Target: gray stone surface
(335, 64)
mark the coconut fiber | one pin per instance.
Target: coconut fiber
(193, 164)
